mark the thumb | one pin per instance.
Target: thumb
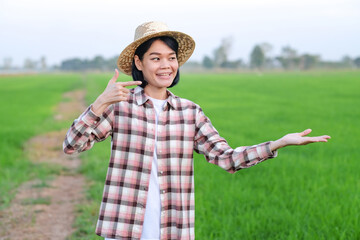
(306, 132)
(115, 77)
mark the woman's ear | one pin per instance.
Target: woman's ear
(138, 62)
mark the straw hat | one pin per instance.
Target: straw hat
(155, 29)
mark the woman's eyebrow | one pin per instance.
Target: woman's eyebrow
(156, 53)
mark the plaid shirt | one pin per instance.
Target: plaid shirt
(182, 128)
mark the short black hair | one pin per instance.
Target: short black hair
(143, 48)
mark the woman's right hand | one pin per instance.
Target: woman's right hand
(114, 92)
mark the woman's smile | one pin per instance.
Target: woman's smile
(164, 76)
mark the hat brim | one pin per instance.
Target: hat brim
(186, 49)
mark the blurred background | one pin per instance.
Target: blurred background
(260, 70)
(279, 34)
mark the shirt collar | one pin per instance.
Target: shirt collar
(141, 98)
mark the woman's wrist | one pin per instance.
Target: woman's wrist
(275, 145)
(98, 107)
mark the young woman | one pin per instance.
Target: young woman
(149, 187)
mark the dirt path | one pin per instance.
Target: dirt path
(46, 209)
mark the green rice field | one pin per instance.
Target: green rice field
(27, 105)
(307, 192)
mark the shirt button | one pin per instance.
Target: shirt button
(163, 191)
(95, 122)
(161, 172)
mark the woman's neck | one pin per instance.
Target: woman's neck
(154, 92)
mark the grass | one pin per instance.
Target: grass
(36, 201)
(27, 107)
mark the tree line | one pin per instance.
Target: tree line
(260, 58)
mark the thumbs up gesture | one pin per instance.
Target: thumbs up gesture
(114, 92)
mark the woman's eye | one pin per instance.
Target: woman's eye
(173, 58)
(155, 59)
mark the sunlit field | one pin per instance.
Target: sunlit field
(27, 107)
(307, 192)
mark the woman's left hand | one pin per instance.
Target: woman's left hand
(297, 139)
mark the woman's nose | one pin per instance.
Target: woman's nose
(165, 64)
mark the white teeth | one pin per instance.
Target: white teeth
(164, 74)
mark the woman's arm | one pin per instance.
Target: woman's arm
(207, 141)
(95, 124)
(216, 150)
(88, 129)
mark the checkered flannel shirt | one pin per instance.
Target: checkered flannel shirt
(182, 129)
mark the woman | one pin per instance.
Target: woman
(149, 188)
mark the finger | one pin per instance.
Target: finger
(306, 132)
(131, 83)
(124, 90)
(124, 94)
(121, 98)
(319, 139)
(324, 138)
(115, 77)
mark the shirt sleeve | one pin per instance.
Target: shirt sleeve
(217, 151)
(88, 129)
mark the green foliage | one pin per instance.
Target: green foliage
(257, 57)
(97, 63)
(357, 62)
(35, 201)
(208, 62)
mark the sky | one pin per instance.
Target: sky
(66, 29)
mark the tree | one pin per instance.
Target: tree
(222, 52)
(267, 48)
(207, 62)
(257, 57)
(74, 64)
(97, 63)
(7, 63)
(347, 62)
(111, 62)
(29, 64)
(289, 58)
(43, 64)
(357, 62)
(232, 64)
(309, 61)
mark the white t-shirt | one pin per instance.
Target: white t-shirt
(151, 227)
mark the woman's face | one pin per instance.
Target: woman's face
(159, 65)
